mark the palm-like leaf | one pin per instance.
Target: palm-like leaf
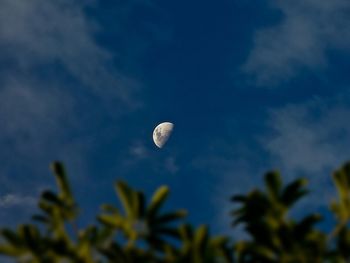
(341, 210)
(140, 221)
(275, 238)
(199, 247)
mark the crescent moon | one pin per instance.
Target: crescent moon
(162, 133)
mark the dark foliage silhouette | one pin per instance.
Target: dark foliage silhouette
(141, 232)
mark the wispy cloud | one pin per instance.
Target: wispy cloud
(171, 165)
(48, 33)
(309, 137)
(10, 200)
(58, 89)
(310, 140)
(140, 152)
(307, 30)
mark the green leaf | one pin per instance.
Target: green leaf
(169, 217)
(201, 237)
(139, 205)
(294, 192)
(47, 208)
(12, 237)
(52, 198)
(186, 231)
(110, 208)
(61, 180)
(125, 194)
(273, 184)
(31, 236)
(10, 251)
(157, 201)
(111, 220)
(305, 225)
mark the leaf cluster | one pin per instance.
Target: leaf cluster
(138, 230)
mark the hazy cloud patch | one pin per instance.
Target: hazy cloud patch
(139, 151)
(60, 91)
(36, 33)
(307, 30)
(53, 70)
(310, 140)
(309, 137)
(10, 200)
(171, 165)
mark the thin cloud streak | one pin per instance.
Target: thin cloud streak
(140, 152)
(307, 30)
(10, 200)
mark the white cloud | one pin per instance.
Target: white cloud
(38, 32)
(310, 140)
(10, 200)
(307, 30)
(29, 110)
(309, 137)
(58, 87)
(139, 151)
(37, 103)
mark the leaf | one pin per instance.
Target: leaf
(169, 217)
(157, 201)
(239, 198)
(10, 250)
(111, 220)
(264, 253)
(186, 231)
(12, 237)
(61, 180)
(201, 237)
(273, 184)
(305, 225)
(47, 208)
(115, 254)
(156, 242)
(52, 198)
(31, 236)
(125, 194)
(140, 205)
(293, 192)
(109, 208)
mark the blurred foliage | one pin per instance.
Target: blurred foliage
(137, 230)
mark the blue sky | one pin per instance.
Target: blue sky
(250, 86)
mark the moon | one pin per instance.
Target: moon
(162, 133)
